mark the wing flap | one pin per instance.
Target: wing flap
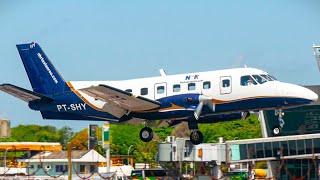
(120, 99)
(23, 94)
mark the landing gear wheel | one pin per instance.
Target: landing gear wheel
(276, 130)
(196, 137)
(146, 134)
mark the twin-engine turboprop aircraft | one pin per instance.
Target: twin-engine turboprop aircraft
(202, 97)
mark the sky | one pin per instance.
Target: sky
(117, 40)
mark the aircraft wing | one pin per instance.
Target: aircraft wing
(119, 102)
(22, 93)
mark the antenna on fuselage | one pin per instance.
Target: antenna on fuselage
(316, 53)
(245, 66)
(162, 72)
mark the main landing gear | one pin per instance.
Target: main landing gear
(278, 129)
(146, 134)
(196, 137)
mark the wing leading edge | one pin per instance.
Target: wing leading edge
(119, 102)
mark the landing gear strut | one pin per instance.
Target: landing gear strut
(278, 129)
(146, 134)
(196, 137)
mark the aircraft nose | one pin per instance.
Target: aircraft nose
(301, 92)
(305, 93)
(311, 95)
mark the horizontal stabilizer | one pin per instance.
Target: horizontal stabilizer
(22, 93)
(119, 102)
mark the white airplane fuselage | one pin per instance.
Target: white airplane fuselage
(222, 87)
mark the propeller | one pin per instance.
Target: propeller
(203, 100)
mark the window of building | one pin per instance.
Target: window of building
(144, 91)
(176, 88)
(247, 81)
(316, 145)
(301, 147)
(268, 149)
(206, 85)
(31, 166)
(252, 151)
(260, 150)
(309, 145)
(285, 148)
(276, 149)
(160, 89)
(292, 147)
(243, 151)
(129, 90)
(82, 168)
(92, 168)
(191, 86)
(61, 168)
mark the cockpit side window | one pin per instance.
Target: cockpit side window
(265, 76)
(259, 79)
(247, 81)
(272, 77)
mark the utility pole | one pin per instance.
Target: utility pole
(106, 143)
(316, 50)
(69, 148)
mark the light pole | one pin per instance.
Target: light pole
(5, 160)
(129, 149)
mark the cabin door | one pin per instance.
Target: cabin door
(160, 90)
(225, 84)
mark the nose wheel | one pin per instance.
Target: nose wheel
(146, 134)
(277, 130)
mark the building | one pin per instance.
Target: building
(4, 128)
(55, 163)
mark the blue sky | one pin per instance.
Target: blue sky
(114, 40)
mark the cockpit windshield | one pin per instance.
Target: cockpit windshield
(247, 81)
(256, 79)
(259, 79)
(268, 77)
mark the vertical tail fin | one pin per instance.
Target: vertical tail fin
(43, 76)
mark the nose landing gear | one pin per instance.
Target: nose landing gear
(277, 130)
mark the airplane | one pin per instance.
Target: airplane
(201, 97)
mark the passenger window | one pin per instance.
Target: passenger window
(206, 85)
(191, 86)
(247, 81)
(144, 91)
(176, 88)
(225, 83)
(160, 89)
(129, 90)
